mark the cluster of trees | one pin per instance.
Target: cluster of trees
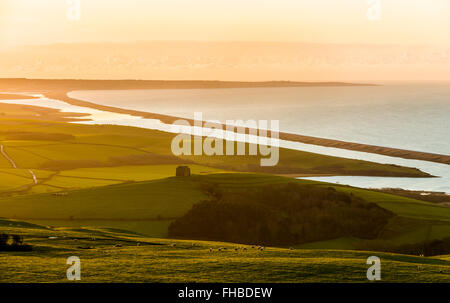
(286, 214)
(12, 242)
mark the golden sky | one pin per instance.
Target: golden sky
(311, 40)
(323, 21)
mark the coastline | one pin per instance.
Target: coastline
(29, 110)
(422, 177)
(58, 89)
(386, 151)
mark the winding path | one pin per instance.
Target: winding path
(33, 176)
(2, 149)
(14, 165)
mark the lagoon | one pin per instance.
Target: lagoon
(441, 183)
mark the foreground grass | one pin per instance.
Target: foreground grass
(165, 260)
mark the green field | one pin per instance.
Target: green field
(58, 146)
(159, 260)
(71, 156)
(148, 207)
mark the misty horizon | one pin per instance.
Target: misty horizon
(228, 61)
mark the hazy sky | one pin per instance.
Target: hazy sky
(327, 21)
(408, 40)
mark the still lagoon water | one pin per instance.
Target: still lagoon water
(396, 119)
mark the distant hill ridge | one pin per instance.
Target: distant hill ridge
(74, 84)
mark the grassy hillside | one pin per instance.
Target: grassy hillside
(109, 255)
(148, 207)
(57, 146)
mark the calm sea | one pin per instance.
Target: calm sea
(415, 117)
